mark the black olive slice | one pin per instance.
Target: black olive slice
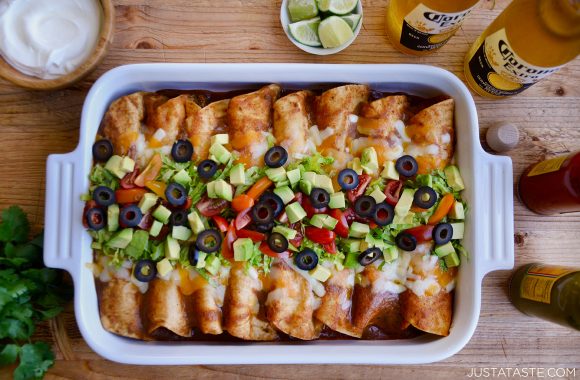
(207, 168)
(407, 166)
(406, 241)
(277, 242)
(208, 241)
(384, 214)
(104, 196)
(182, 151)
(96, 218)
(442, 233)
(145, 270)
(365, 206)
(102, 150)
(369, 256)
(425, 197)
(319, 198)
(276, 157)
(176, 194)
(348, 179)
(130, 216)
(306, 259)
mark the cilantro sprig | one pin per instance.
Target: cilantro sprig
(29, 293)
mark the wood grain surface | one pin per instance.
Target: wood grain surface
(36, 124)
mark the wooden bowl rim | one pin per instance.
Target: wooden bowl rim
(18, 78)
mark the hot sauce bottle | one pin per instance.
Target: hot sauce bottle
(552, 186)
(549, 292)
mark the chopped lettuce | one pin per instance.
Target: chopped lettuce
(102, 177)
(314, 163)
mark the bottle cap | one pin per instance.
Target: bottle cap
(502, 137)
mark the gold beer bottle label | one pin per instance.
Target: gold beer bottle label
(426, 29)
(498, 69)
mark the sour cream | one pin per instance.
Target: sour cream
(48, 38)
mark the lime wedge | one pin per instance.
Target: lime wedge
(334, 32)
(302, 9)
(306, 32)
(352, 20)
(338, 7)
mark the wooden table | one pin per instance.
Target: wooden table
(35, 124)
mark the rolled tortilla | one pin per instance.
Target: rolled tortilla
(243, 317)
(201, 125)
(170, 117)
(119, 305)
(432, 135)
(292, 118)
(250, 120)
(290, 304)
(122, 122)
(164, 306)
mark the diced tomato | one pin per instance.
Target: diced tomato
(228, 242)
(422, 233)
(165, 230)
(363, 182)
(297, 239)
(254, 235)
(134, 195)
(188, 203)
(150, 172)
(242, 202)
(220, 222)
(418, 209)
(259, 187)
(128, 181)
(330, 247)
(310, 210)
(89, 205)
(319, 235)
(372, 224)
(211, 206)
(298, 197)
(341, 228)
(146, 222)
(243, 219)
(350, 215)
(393, 191)
(266, 250)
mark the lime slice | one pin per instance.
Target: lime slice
(302, 9)
(334, 32)
(306, 32)
(338, 7)
(352, 20)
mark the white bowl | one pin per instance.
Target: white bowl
(285, 20)
(488, 234)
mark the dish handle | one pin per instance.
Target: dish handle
(497, 208)
(61, 235)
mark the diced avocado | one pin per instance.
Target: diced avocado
(305, 186)
(172, 248)
(155, 228)
(444, 250)
(352, 245)
(243, 249)
(364, 245)
(458, 230)
(358, 230)
(337, 200)
(320, 273)
(428, 180)
(457, 211)
(351, 260)
(164, 266)
(324, 182)
(293, 176)
(288, 233)
(330, 222)
(390, 253)
(276, 174)
(195, 222)
(309, 176)
(283, 183)
(454, 178)
(372, 242)
(369, 160)
(221, 154)
(181, 233)
(138, 244)
(96, 245)
(113, 217)
(201, 256)
(405, 202)
(238, 175)
(452, 260)
(378, 195)
(114, 166)
(162, 214)
(406, 219)
(223, 190)
(210, 187)
(285, 193)
(221, 138)
(127, 165)
(318, 220)
(182, 178)
(147, 202)
(389, 171)
(356, 165)
(295, 212)
(121, 239)
(212, 264)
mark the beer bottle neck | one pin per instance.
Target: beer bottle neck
(561, 17)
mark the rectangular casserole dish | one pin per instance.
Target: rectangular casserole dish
(488, 236)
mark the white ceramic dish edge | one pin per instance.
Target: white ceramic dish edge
(489, 226)
(285, 21)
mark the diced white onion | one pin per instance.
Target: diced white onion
(159, 134)
(400, 127)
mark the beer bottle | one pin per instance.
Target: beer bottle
(420, 27)
(548, 292)
(528, 41)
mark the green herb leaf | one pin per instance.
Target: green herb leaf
(9, 354)
(35, 360)
(14, 226)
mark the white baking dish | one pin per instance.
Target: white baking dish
(489, 228)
